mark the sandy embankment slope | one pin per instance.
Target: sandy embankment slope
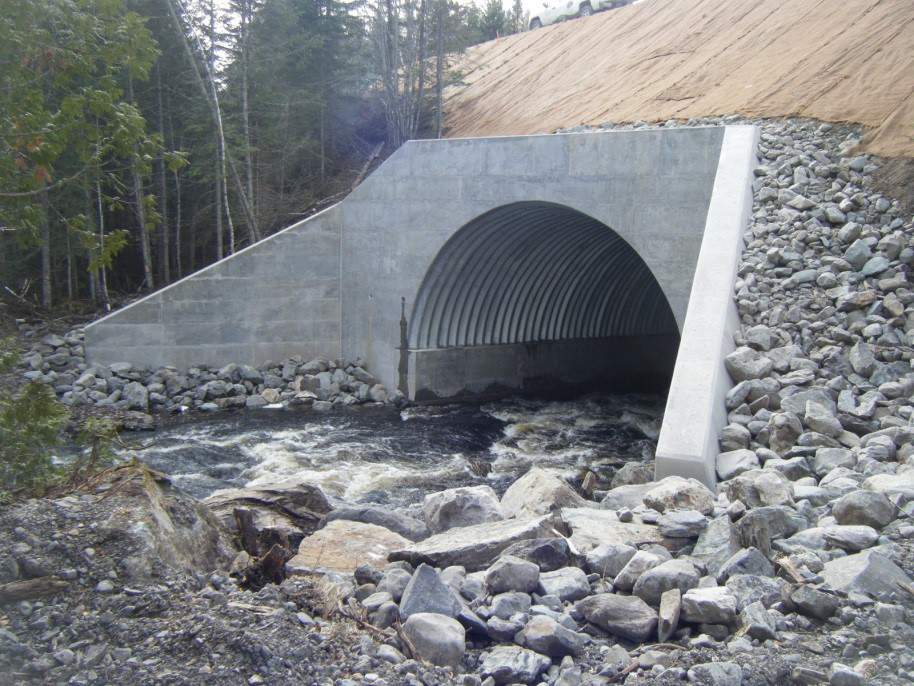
(835, 60)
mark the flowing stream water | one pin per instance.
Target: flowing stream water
(395, 457)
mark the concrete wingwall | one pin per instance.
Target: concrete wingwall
(279, 297)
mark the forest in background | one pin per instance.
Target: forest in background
(141, 140)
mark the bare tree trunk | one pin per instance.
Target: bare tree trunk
(46, 299)
(211, 95)
(69, 267)
(420, 94)
(439, 68)
(246, 12)
(217, 205)
(93, 274)
(178, 272)
(177, 178)
(164, 268)
(103, 274)
(140, 207)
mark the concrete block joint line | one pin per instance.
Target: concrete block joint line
(466, 267)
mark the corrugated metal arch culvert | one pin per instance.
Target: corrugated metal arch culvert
(531, 272)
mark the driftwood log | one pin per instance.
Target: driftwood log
(15, 591)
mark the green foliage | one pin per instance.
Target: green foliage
(30, 424)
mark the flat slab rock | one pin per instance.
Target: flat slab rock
(472, 547)
(341, 546)
(867, 572)
(590, 528)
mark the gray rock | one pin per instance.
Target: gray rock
(715, 545)
(511, 664)
(864, 508)
(758, 622)
(545, 635)
(504, 630)
(548, 554)
(427, 593)
(539, 492)
(506, 605)
(819, 418)
(716, 674)
(409, 528)
(634, 568)
(677, 493)
(568, 583)
(628, 617)
(668, 615)
(745, 363)
(437, 638)
(136, 396)
(748, 589)
(608, 559)
(858, 254)
(460, 507)
(735, 462)
(714, 605)
(630, 496)
(510, 573)
(827, 459)
(395, 582)
(815, 603)
(746, 561)
(852, 538)
(473, 547)
(653, 583)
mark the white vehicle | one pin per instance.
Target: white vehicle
(555, 11)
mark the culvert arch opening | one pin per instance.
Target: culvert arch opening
(536, 295)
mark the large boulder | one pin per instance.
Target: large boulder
(408, 527)
(513, 665)
(545, 635)
(539, 492)
(865, 508)
(677, 493)
(281, 512)
(865, 572)
(458, 507)
(472, 547)
(426, 592)
(341, 546)
(438, 639)
(715, 605)
(568, 583)
(653, 583)
(608, 559)
(899, 488)
(628, 617)
(511, 573)
(548, 554)
(627, 495)
(590, 528)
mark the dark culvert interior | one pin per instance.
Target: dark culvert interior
(537, 296)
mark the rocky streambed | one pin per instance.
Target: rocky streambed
(511, 555)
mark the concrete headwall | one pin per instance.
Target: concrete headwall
(650, 187)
